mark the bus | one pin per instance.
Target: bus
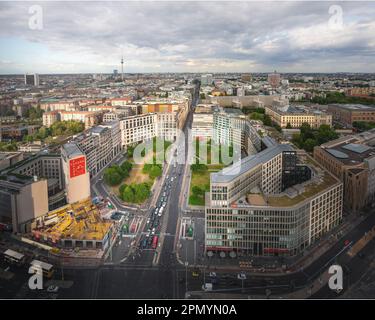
(47, 268)
(14, 257)
(154, 242)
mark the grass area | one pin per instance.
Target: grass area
(310, 191)
(202, 180)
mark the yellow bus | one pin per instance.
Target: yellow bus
(46, 268)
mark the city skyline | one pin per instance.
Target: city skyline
(188, 37)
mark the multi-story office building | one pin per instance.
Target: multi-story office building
(89, 118)
(295, 116)
(100, 144)
(22, 199)
(230, 126)
(158, 119)
(346, 114)
(206, 79)
(32, 79)
(274, 203)
(135, 129)
(44, 166)
(352, 160)
(120, 102)
(274, 79)
(76, 175)
(203, 121)
(364, 91)
(59, 105)
(118, 114)
(50, 117)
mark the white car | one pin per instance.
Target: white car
(213, 274)
(241, 276)
(153, 231)
(52, 288)
(207, 287)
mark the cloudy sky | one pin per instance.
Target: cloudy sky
(195, 36)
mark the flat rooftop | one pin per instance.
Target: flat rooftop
(351, 153)
(242, 166)
(72, 150)
(355, 107)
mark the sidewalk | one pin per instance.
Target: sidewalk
(279, 268)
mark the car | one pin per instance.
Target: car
(346, 243)
(195, 274)
(148, 221)
(241, 276)
(207, 287)
(52, 288)
(361, 255)
(213, 274)
(153, 231)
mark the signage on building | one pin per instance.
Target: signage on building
(77, 167)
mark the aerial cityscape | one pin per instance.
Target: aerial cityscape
(187, 150)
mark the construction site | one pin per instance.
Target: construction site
(74, 226)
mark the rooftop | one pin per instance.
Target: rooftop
(245, 164)
(71, 149)
(355, 107)
(350, 152)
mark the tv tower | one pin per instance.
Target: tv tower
(122, 68)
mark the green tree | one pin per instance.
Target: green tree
(288, 126)
(309, 144)
(141, 192)
(128, 194)
(155, 172)
(113, 175)
(267, 120)
(126, 166)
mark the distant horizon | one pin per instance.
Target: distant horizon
(166, 72)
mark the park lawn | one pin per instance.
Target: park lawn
(201, 179)
(137, 176)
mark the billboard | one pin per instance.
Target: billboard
(77, 167)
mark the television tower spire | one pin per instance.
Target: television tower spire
(122, 68)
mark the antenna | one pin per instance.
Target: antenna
(122, 68)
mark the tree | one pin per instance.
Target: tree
(121, 189)
(309, 144)
(267, 120)
(113, 175)
(288, 126)
(126, 166)
(141, 192)
(155, 172)
(128, 194)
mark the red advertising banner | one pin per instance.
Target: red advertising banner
(77, 167)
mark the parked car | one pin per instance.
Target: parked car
(52, 288)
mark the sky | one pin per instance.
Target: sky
(193, 36)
